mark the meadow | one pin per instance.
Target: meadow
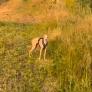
(68, 64)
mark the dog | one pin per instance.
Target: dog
(42, 42)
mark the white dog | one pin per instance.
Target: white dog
(41, 42)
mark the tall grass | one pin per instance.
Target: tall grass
(69, 58)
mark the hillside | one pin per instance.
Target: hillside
(30, 11)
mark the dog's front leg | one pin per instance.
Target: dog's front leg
(40, 53)
(45, 53)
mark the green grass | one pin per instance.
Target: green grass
(68, 64)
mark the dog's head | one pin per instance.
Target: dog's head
(45, 36)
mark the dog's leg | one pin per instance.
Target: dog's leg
(30, 52)
(40, 53)
(44, 53)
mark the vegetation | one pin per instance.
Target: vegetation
(68, 67)
(2, 1)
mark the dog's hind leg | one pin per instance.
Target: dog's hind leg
(31, 50)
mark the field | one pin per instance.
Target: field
(68, 64)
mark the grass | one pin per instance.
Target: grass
(68, 64)
(3, 1)
(68, 67)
